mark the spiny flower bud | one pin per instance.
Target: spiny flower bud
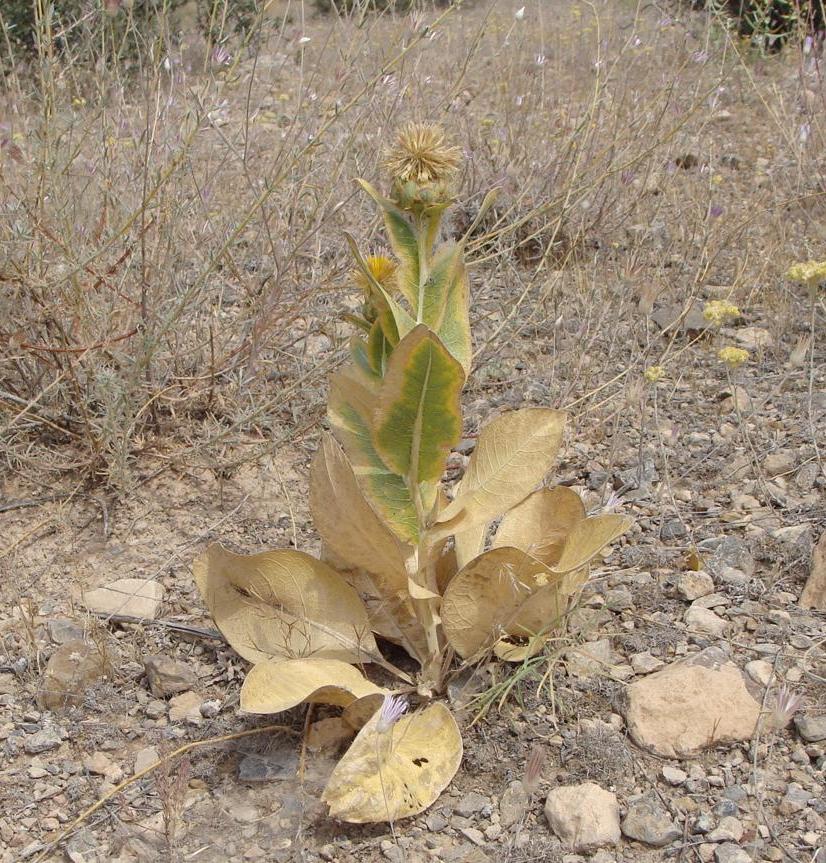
(422, 166)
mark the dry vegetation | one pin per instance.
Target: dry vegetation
(173, 275)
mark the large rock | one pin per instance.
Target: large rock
(134, 597)
(690, 705)
(811, 728)
(585, 817)
(71, 670)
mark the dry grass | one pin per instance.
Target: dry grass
(173, 268)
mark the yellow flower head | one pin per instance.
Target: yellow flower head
(718, 312)
(733, 357)
(421, 155)
(653, 374)
(809, 273)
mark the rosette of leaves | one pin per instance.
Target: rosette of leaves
(402, 559)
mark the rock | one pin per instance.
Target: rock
(729, 829)
(43, 741)
(796, 799)
(168, 676)
(677, 318)
(728, 852)
(186, 706)
(705, 621)
(776, 463)
(647, 821)
(814, 593)
(726, 551)
(71, 670)
(584, 817)
(693, 585)
(62, 630)
(514, 804)
(673, 529)
(471, 803)
(690, 705)
(645, 663)
(753, 338)
(673, 775)
(101, 764)
(593, 657)
(811, 728)
(798, 537)
(268, 768)
(244, 813)
(619, 599)
(135, 597)
(145, 757)
(210, 709)
(760, 671)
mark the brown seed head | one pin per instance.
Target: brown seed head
(421, 155)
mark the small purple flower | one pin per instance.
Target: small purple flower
(788, 703)
(715, 211)
(700, 56)
(220, 56)
(804, 132)
(533, 768)
(627, 177)
(614, 502)
(392, 709)
(808, 44)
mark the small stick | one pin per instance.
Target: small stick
(174, 625)
(141, 773)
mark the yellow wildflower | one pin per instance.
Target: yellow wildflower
(809, 273)
(718, 312)
(653, 374)
(421, 155)
(733, 357)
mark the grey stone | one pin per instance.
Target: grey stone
(726, 807)
(704, 620)
(673, 529)
(777, 463)
(43, 741)
(619, 599)
(62, 630)
(796, 799)
(647, 821)
(673, 775)
(268, 768)
(514, 804)
(726, 551)
(811, 728)
(471, 803)
(730, 829)
(693, 585)
(728, 852)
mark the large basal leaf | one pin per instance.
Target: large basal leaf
(283, 604)
(493, 597)
(403, 242)
(280, 684)
(349, 525)
(350, 411)
(443, 303)
(540, 524)
(512, 456)
(393, 774)
(588, 538)
(418, 418)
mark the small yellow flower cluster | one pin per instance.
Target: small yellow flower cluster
(653, 374)
(733, 357)
(718, 312)
(809, 273)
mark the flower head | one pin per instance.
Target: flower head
(653, 374)
(392, 709)
(719, 312)
(732, 357)
(788, 703)
(809, 273)
(421, 155)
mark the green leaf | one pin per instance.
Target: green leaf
(350, 410)
(445, 303)
(403, 241)
(419, 417)
(359, 353)
(378, 349)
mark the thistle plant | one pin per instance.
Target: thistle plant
(402, 558)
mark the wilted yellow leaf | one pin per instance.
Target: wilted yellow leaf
(279, 684)
(588, 538)
(283, 603)
(393, 774)
(512, 456)
(503, 592)
(540, 524)
(349, 526)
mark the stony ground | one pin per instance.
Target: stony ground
(682, 717)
